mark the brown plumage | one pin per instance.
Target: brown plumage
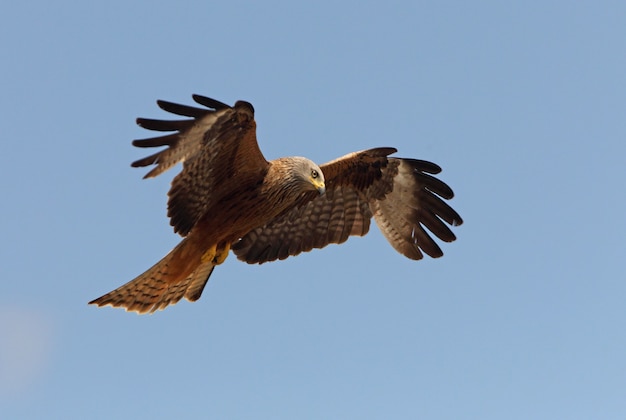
(228, 196)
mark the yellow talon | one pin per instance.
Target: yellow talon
(214, 255)
(209, 255)
(221, 255)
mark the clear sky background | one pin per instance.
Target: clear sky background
(523, 104)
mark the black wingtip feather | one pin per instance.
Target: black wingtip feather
(209, 102)
(169, 140)
(435, 185)
(147, 161)
(164, 125)
(425, 166)
(183, 110)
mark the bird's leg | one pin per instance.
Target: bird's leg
(214, 255)
(209, 255)
(221, 255)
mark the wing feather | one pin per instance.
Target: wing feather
(213, 145)
(401, 194)
(168, 140)
(287, 236)
(433, 184)
(412, 206)
(183, 110)
(327, 219)
(210, 102)
(165, 125)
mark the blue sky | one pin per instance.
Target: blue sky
(521, 103)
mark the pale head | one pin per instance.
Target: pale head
(309, 173)
(298, 174)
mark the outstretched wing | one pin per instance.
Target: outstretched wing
(214, 143)
(399, 193)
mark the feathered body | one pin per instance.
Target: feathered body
(228, 196)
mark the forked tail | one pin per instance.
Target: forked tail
(177, 275)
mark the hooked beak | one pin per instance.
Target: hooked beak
(319, 186)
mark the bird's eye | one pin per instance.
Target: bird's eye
(314, 174)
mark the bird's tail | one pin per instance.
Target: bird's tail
(179, 274)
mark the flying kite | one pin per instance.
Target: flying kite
(229, 197)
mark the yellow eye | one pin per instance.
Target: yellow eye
(314, 174)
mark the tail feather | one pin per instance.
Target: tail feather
(159, 287)
(198, 280)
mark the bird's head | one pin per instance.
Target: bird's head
(310, 174)
(316, 177)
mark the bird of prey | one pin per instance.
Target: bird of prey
(229, 197)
